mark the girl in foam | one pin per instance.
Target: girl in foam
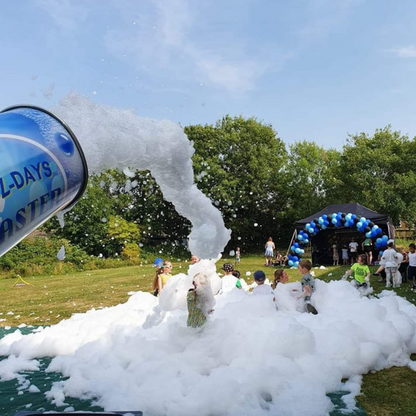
(200, 301)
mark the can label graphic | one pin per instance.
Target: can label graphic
(42, 170)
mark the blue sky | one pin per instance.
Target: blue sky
(315, 70)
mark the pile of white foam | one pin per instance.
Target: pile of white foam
(249, 359)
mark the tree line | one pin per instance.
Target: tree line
(260, 185)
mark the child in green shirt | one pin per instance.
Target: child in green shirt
(361, 273)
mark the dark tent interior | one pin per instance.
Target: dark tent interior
(321, 244)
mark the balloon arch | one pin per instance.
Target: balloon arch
(337, 220)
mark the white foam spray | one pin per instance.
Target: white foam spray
(115, 138)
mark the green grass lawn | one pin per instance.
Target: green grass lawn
(49, 299)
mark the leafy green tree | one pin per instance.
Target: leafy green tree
(309, 181)
(122, 234)
(377, 171)
(86, 225)
(235, 165)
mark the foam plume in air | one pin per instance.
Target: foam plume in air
(118, 138)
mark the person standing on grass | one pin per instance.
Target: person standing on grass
(268, 254)
(411, 271)
(368, 249)
(353, 246)
(335, 255)
(345, 256)
(237, 255)
(404, 265)
(390, 263)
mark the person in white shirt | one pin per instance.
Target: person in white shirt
(353, 246)
(262, 288)
(390, 262)
(411, 271)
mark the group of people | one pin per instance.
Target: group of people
(272, 259)
(394, 268)
(200, 298)
(200, 302)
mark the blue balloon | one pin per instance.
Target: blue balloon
(306, 241)
(290, 262)
(381, 253)
(379, 240)
(384, 238)
(311, 230)
(323, 227)
(296, 244)
(368, 235)
(300, 237)
(307, 225)
(297, 250)
(296, 263)
(359, 224)
(334, 220)
(320, 220)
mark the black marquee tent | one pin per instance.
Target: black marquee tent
(321, 244)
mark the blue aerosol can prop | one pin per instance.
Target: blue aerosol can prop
(42, 171)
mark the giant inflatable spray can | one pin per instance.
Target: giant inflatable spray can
(42, 171)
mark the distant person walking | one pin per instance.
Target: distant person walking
(268, 254)
(237, 255)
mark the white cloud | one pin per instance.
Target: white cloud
(67, 14)
(233, 76)
(165, 35)
(405, 51)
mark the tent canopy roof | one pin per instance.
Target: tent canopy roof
(354, 208)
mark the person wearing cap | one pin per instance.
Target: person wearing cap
(165, 275)
(262, 288)
(158, 263)
(229, 281)
(308, 285)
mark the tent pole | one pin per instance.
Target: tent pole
(294, 235)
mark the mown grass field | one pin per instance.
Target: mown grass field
(49, 299)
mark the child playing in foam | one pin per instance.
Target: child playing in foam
(200, 301)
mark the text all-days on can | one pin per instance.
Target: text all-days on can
(42, 171)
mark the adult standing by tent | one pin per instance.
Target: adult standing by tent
(353, 246)
(268, 254)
